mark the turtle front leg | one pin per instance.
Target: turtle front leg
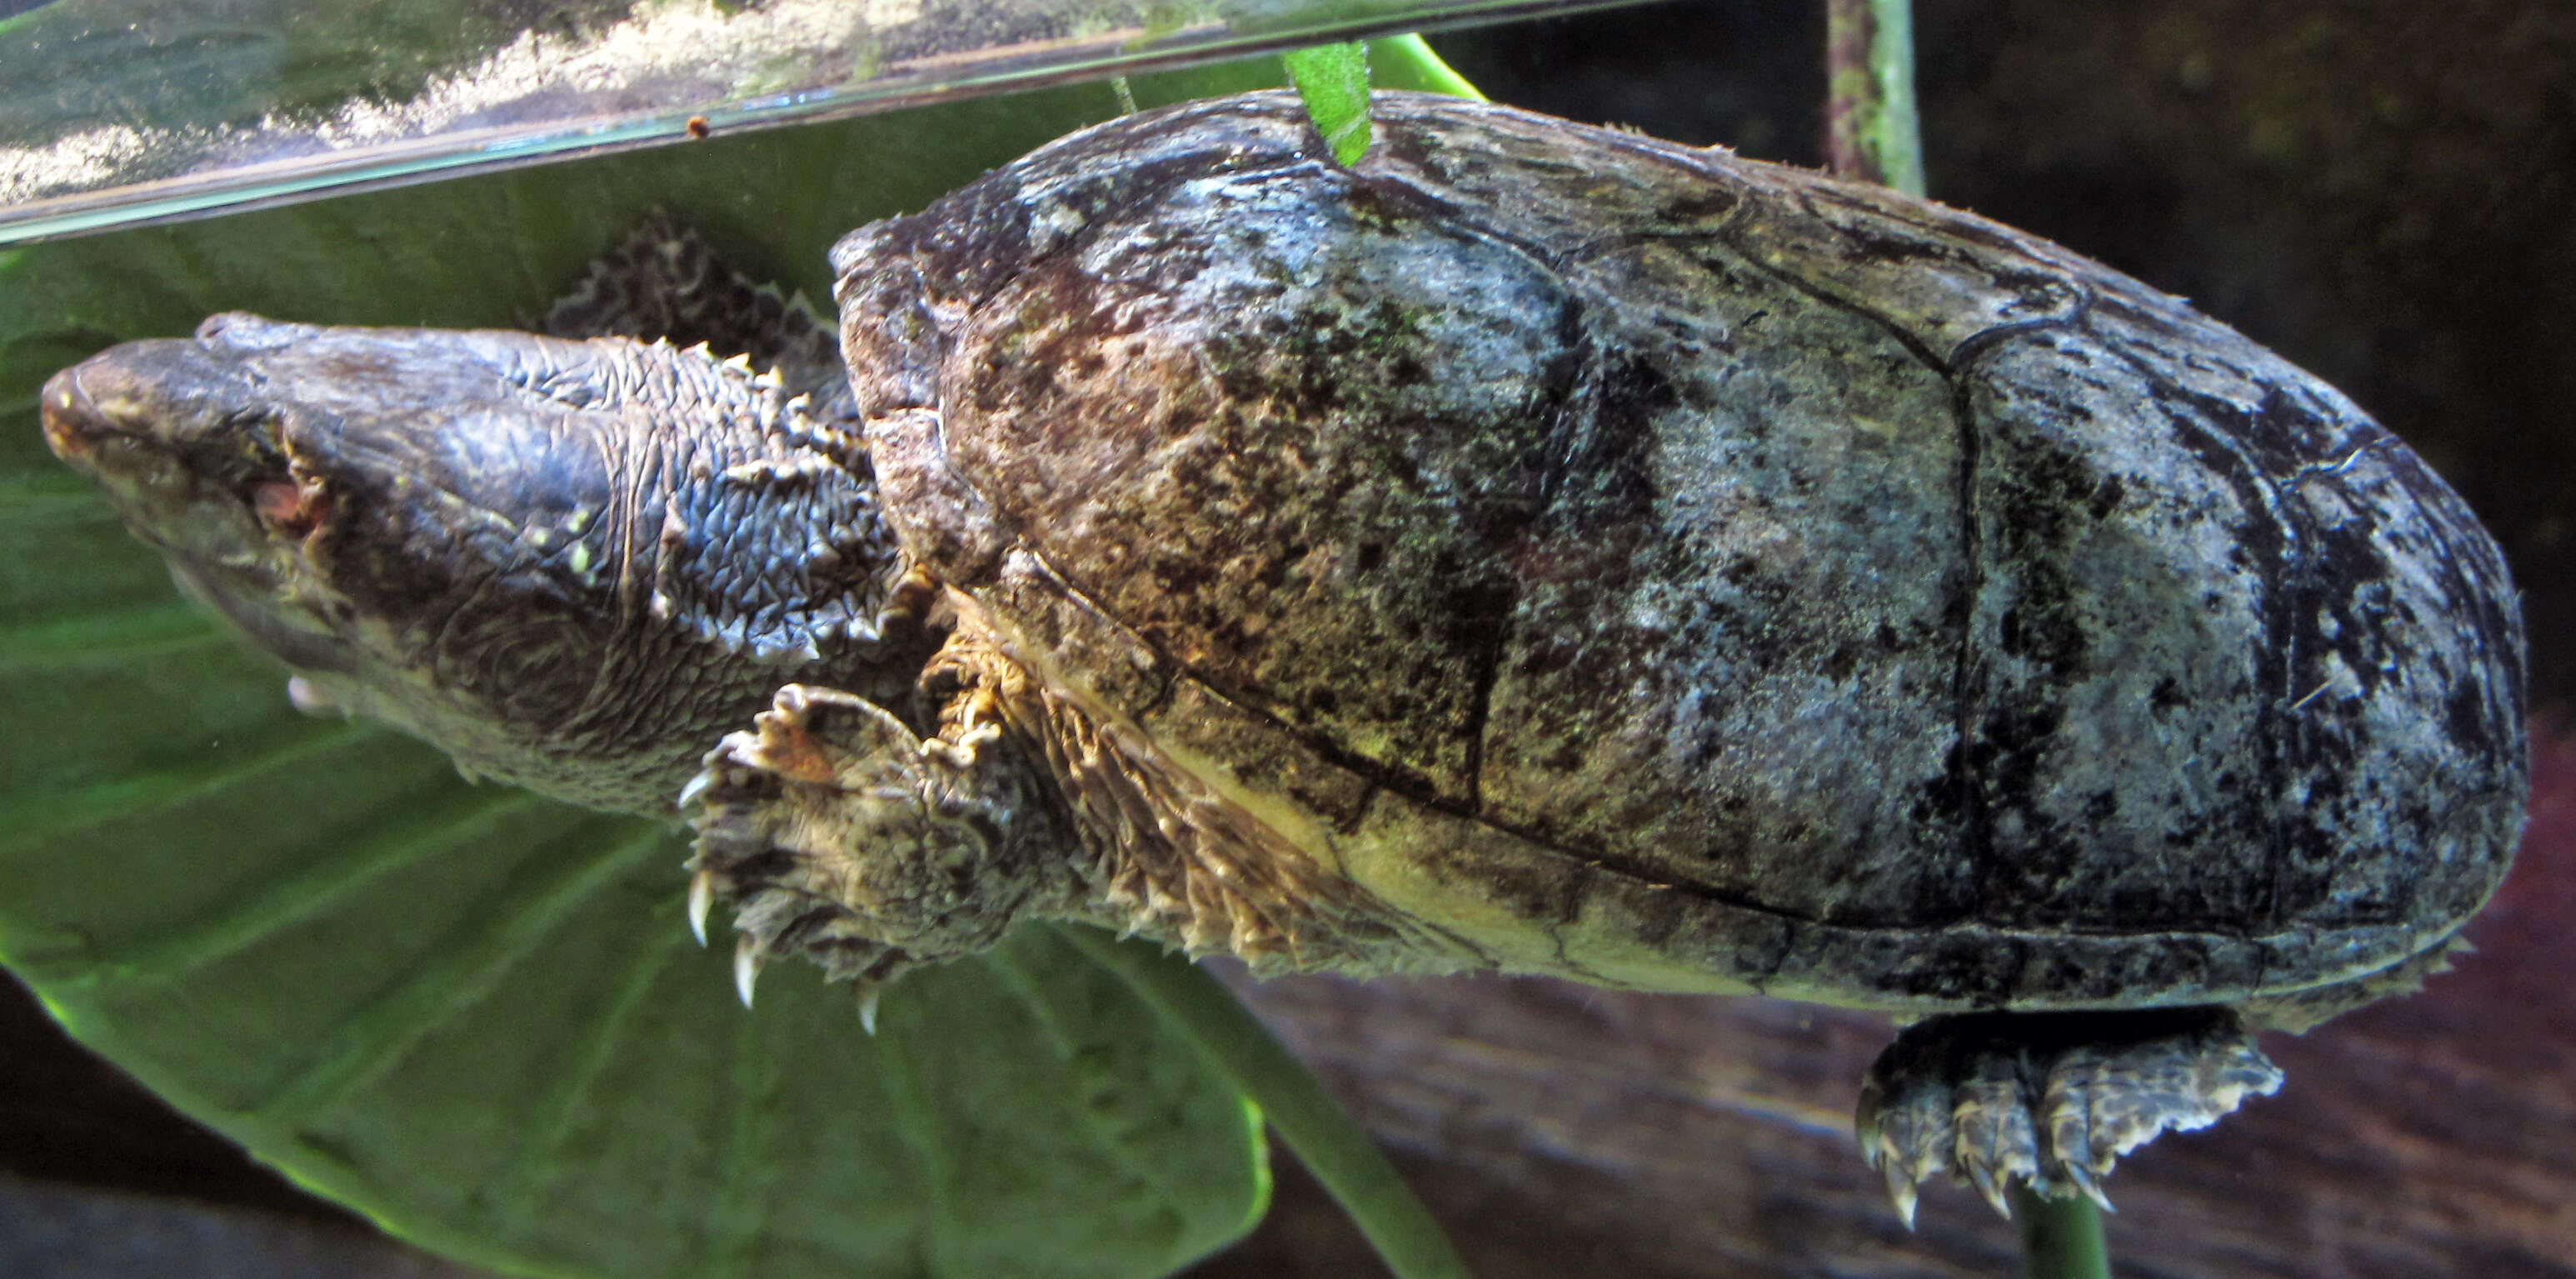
(845, 836)
(2050, 1099)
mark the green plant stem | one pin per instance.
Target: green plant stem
(1336, 1150)
(1873, 134)
(1870, 128)
(1430, 74)
(2060, 1238)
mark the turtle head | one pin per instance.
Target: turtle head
(468, 535)
(190, 440)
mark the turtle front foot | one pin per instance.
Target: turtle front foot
(843, 836)
(2049, 1099)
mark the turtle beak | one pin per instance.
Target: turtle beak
(72, 417)
(123, 416)
(73, 421)
(158, 425)
(165, 426)
(102, 419)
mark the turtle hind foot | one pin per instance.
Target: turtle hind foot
(2052, 1100)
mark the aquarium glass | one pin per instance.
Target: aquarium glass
(114, 112)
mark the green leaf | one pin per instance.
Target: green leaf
(1333, 80)
(1337, 1151)
(473, 1014)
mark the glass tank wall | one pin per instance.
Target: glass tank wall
(114, 112)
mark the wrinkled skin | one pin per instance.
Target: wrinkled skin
(1534, 548)
(463, 534)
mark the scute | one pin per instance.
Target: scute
(1660, 564)
(1344, 579)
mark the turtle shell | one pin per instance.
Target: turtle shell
(1680, 572)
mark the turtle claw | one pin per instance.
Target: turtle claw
(748, 959)
(2048, 1100)
(1991, 1190)
(697, 788)
(1900, 1136)
(1994, 1140)
(2091, 1185)
(1901, 1189)
(702, 898)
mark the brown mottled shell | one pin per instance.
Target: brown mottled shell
(1682, 572)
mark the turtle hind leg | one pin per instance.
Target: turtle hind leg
(2050, 1099)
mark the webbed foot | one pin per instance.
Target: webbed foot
(2049, 1099)
(844, 836)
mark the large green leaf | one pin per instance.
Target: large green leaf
(475, 1014)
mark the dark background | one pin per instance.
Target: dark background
(2382, 190)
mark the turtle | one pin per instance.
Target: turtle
(1532, 548)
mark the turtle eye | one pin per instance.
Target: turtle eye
(290, 509)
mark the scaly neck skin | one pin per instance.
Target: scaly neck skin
(747, 553)
(571, 565)
(679, 538)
